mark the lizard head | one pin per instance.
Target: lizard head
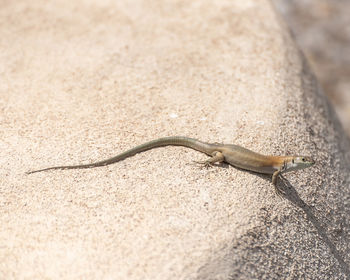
(299, 162)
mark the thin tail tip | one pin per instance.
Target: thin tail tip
(35, 171)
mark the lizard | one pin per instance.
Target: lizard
(234, 155)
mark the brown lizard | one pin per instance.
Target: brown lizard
(232, 154)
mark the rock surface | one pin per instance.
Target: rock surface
(84, 80)
(321, 29)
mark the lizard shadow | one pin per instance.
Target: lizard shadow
(289, 192)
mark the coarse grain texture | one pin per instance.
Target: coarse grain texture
(84, 80)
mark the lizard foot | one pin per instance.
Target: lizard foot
(205, 163)
(279, 192)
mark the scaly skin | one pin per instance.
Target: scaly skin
(234, 155)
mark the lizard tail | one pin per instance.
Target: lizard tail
(161, 142)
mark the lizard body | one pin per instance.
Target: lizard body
(232, 154)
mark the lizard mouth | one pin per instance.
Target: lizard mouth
(310, 160)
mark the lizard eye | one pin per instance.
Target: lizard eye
(303, 159)
(293, 161)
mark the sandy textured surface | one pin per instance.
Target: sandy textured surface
(81, 81)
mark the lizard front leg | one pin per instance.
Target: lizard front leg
(274, 182)
(275, 176)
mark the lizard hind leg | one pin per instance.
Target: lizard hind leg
(217, 157)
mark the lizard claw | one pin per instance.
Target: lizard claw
(279, 192)
(205, 163)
